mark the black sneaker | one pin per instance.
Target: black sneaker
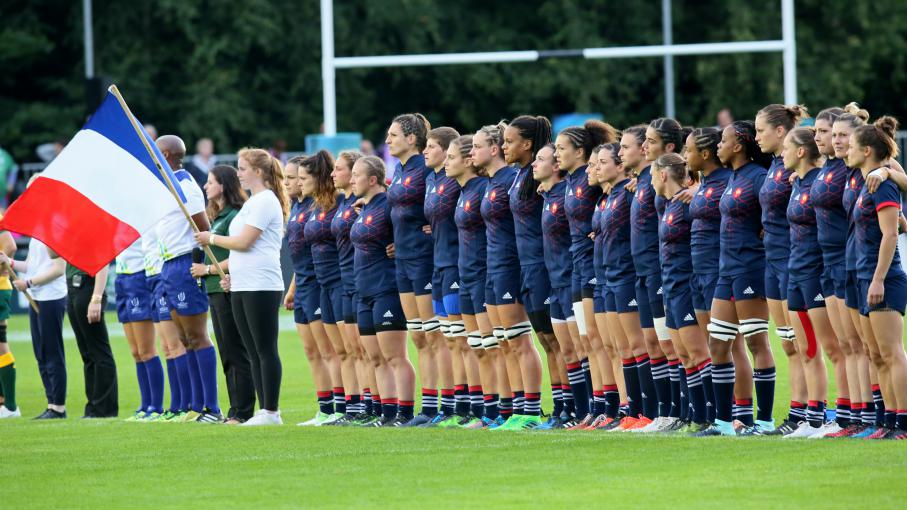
(209, 416)
(384, 421)
(785, 428)
(50, 414)
(419, 420)
(399, 421)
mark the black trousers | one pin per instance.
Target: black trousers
(47, 342)
(256, 314)
(233, 357)
(98, 364)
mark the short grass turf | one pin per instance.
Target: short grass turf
(76, 463)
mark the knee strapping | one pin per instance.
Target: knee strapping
(474, 340)
(499, 334)
(445, 327)
(457, 328)
(750, 327)
(722, 330)
(490, 342)
(433, 324)
(414, 325)
(661, 329)
(785, 333)
(518, 330)
(580, 314)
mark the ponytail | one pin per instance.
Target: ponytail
(880, 137)
(320, 167)
(745, 131)
(414, 124)
(591, 135)
(787, 116)
(271, 173)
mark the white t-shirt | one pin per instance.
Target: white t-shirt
(151, 252)
(173, 231)
(258, 268)
(39, 262)
(132, 259)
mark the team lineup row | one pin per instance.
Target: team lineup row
(646, 261)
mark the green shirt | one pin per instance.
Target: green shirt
(72, 270)
(221, 227)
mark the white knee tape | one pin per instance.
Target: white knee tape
(722, 330)
(474, 340)
(750, 327)
(785, 333)
(445, 327)
(661, 329)
(490, 342)
(500, 334)
(432, 324)
(580, 316)
(457, 328)
(415, 325)
(518, 330)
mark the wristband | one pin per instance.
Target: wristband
(211, 239)
(208, 270)
(97, 299)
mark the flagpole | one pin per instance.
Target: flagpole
(160, 168)
(31, 300)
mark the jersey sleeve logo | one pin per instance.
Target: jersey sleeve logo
(300, 218)
(466, 206)
(441, 190)
(829, 176)
(346, 214)
(738, 192)
(708, 192)
(368, 220)
(669, 219)
(407, 181)
(853, 183)
(554, 208)
(321, 216)
(803, 198)
(493, 195)
(579, 192)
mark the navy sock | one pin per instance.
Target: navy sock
(843, 412)
(631, 379)
(647, 387)
(815, 413)
(569, 406)
(879, 405)
(901, 420)
(367, 401)
(705, 372)
(155, 384)
(533, 404)
(686, 405)
(173, 379)
(890, 418)
(461, 400)
(389, 408)
(587, 375)
(612, 400)
(505, 407)
(519, 401)
(579, 389)
(558, 398)
(492, 406)
(723, 378)
(476, 401)
(407, 408)
(676, 407)
(429, 402)
(696, 392)
(326, 402)
(797, 412)
(447, 402)
(744, 411)
(661, 379)
(339, 400)
(354, 404)
(197, 395)
(377, 408)
(185, 382)
(764, 380)
(207, 366)
(141, 372)
(598, 402)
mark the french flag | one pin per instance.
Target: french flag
(99, 195)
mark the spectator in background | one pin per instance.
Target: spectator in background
(724, 118)
(151, 130)
(9, 172)
(278, 151)
(204, 158)
(366, 147)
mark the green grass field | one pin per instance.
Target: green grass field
(114, 464)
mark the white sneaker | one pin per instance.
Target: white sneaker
(331, 419)
(6, 413)
(803, 431)
(827, 428)
(264, 418)
(655, 426)
(667, 423)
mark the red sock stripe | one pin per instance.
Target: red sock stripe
(376, 397)
(659, 361)
(388, 401)
(366, 390)
(797, 405)
(609, 387)
(744, 402)
(901, 411)
(338, 390)
(856, 406)
(460, 387)
(842, 402)
(406, 403)
(533, 396)
(348, 397)
(704, 363)
(324, 394)
(565, 387)
(597, 393)
(574, 366)
(673, 362)
(488, 398)
(691, 371)
(813, 403)
(629, 361)
(644, 357)
(475, 388)
(431, 393)
(447, 392)
(876, 387)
